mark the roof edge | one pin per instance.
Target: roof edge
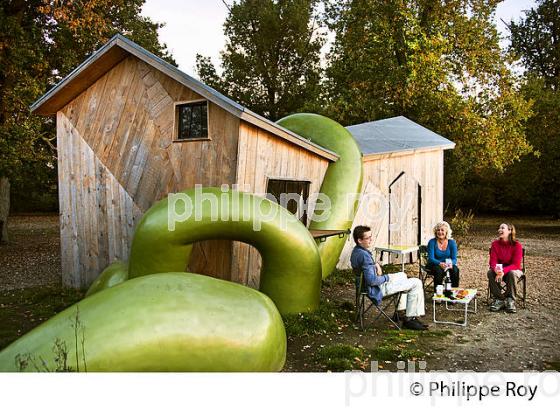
(396, 153)
(73, 74)
(128, 47)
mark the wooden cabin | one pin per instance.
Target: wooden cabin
(131, 128)
(402, 190)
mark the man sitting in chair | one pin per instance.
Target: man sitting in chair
(380, 285)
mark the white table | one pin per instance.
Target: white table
(471, 296)
(399, 250)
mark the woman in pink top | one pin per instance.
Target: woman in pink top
(506, 254)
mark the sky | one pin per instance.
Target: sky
(195, 26)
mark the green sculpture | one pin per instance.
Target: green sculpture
(164, 322)
(291, 266)
(112, 275)
(342, 181)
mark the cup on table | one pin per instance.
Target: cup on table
(449, 263)
(439, 290)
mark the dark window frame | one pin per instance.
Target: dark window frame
(289, 185)
(193, 130)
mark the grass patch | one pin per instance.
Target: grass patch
(23, 309)
(395, 353)
(329, 317)
(437, 333)
(555, 365)
(342, 357)
(339, 277)
(404, 344)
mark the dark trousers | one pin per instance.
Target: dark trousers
(496, 289)
(439, 274)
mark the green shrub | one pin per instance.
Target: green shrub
(461, 224)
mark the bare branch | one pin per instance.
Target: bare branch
(227, 5)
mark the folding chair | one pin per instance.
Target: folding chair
(361, 309)
(424, 274)
(522, 280)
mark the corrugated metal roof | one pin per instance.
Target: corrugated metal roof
(394, 135)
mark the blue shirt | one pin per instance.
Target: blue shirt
(362, 261)
(436, 256)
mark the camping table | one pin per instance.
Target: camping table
(397, 250)
(323, 234)
(465, 302)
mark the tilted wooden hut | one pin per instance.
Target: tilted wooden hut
(131, 128)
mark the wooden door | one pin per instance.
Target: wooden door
(404, 212)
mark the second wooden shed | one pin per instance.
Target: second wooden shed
(402, 191)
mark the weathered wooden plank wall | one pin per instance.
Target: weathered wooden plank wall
(426, 167)
(261, 156)
(91, 232)
(117, 157)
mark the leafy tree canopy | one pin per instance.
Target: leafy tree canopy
(438, 63)
(41, 41)
(536, 40)
(534, 183)
(271, 61)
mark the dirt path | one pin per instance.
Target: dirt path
(32, 256)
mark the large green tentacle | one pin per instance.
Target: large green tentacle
(342, 182)
(291, 267)
(164, 322)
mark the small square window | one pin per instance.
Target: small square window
(192, 120)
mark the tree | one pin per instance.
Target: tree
(271, 62)
(41, 42)
(438, 63)
(534, 183)
(536, 39)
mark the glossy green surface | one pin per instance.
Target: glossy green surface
(291, 265)
(112, 275)
(342, 182)
(164, 322)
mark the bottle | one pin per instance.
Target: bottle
(447, 286)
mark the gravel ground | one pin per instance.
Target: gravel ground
(492, 341)
(32, 256)
(526, 340)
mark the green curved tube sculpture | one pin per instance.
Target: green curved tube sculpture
(291, 265)
(112, 275)
(342, 181)
(165, 322)
(161, 321)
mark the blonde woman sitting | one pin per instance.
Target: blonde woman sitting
(441, 249)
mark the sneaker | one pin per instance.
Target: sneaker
(414, 324)
(497, 305)
(510, 305)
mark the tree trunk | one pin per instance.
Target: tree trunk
(4, 208)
